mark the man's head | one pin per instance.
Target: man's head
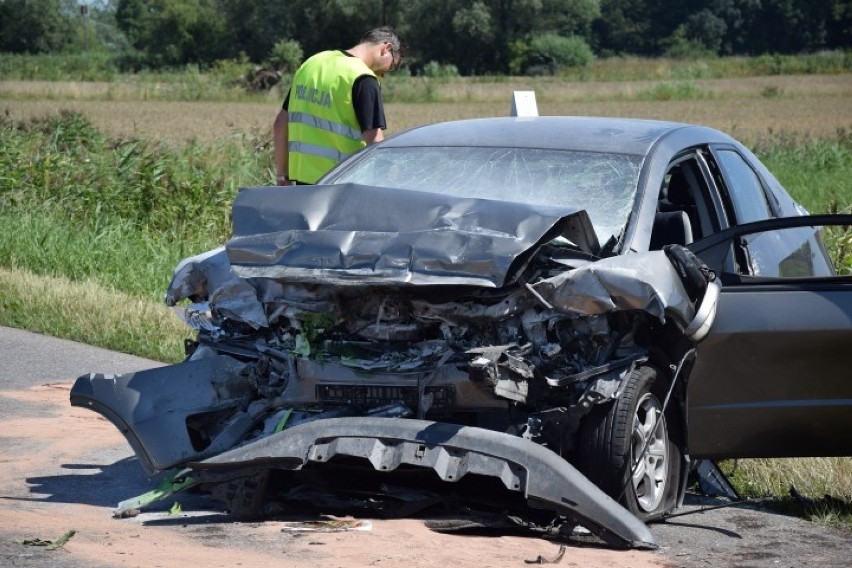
(384, 47)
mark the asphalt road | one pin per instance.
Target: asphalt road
(741, 535)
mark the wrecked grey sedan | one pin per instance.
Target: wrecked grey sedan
(575, 308)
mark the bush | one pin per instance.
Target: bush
(286, 55)
(65, 164)
(95, 66)
(233, 72)
(674, 91)
(679, 46)
(547, 53)
(435, 69)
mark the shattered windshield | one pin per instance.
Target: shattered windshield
(602, 184)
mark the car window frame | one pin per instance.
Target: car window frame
(741, 259)
(711, 203)
(714, 201)
(726, 183)
(714, 250)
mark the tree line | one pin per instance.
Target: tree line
(469, 37)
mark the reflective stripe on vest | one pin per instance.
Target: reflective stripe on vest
(336, 127)
(319, 151)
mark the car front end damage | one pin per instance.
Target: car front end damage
(472, 342)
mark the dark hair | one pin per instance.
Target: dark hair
(384, 34)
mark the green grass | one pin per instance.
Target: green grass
(673, 91)
(64, 165)
(117, 254)
(94, 66)
(633, 68)
(86, 311)
(76, 205)
(819, 489)
(816, 172)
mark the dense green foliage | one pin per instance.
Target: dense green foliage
(33, 26)
(75, 204)
(549, 52)
(652, 27)
(65, 163)
(57, 67)
(480, 37)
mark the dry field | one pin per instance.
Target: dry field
(749, 108)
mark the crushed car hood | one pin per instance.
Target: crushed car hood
(355, 234)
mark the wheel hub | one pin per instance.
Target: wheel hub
(650, 453)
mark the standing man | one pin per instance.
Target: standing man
(334, 107)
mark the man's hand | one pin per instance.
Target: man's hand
(373, 135)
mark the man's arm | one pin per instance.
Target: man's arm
(367, 102)
(280, 144)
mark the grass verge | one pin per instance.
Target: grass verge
(88, 312)
(117, 256)
(818, 489)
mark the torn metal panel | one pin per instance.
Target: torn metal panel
(545, 479)
(238, 300)
(643, 281)
(345, 234)
(156, 408)
(195, 277)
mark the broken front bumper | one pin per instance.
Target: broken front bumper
(546, 480)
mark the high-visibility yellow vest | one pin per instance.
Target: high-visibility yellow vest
(322, 126)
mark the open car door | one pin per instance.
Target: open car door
(773, 378)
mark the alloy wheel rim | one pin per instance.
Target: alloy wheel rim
(650, 453)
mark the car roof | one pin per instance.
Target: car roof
(578, 133)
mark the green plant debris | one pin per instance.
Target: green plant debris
(303, 346)
(176, 508)
(283, 422)
(49, 544)
(169, 486)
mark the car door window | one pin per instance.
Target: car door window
(745, 189)
(787, 253)
(685, 210)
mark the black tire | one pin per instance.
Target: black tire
(244, 497)
(614, 435)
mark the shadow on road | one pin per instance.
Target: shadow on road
(90, 484)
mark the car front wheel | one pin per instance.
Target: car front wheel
(629, 448)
